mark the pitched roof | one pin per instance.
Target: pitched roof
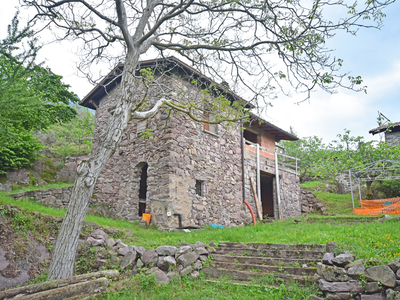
(280, 134)
(92, 99)
(395, 127)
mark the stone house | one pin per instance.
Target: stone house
(392, 136)
(191, 174)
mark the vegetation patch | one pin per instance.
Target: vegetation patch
(145, 287)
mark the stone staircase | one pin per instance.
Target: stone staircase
(248, 261)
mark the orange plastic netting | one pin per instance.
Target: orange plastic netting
(390, 206)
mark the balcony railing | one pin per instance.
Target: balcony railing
(268, 157)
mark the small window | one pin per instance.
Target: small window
(213, 128)
(199, 188)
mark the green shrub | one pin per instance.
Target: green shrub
(391, 188)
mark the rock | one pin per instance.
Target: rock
(338, 296)
(139, 249)
(315, 297)
(120, 244)
(195, 274)
(355, 270)
(135, 270)
(110, 242)
(199, 244)
(94, 242)
(112, 251)
(394, 265)
(166, 250)
(111, 230)
(161, 277)
(352, 264)
(186, 271)
(166, 263)
(385, 218)
(383, 274)
(342, 259)
(372, 287)
(332, 273)
(114, 261)
(128, 259)
(99, 234)
(197, 265)
(330, 247)
(201, 251)
(172, 276)
(317, 277)
(398, 274)
(304, 266)
(183, 250)
(203, 257)
(212, 244)
(150, 257)
(390, 294)
(327, 259)
(124, 251)
(210, 249)
(187, 259)
(377, 296)
(139, 263)
(100, 263)
(340, 287)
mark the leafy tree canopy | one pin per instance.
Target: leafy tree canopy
(31, 98)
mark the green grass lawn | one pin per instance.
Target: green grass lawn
(145, 287)
(35, 188)
(336, 204)
(365, 240)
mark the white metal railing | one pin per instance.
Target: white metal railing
(285, 162)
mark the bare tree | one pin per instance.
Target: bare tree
(278, 43)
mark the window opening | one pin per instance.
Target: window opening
(143, 190)
(250, 136)
(199, 188)
(213, 128)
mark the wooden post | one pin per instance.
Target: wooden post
(256, 200)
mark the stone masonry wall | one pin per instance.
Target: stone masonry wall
(180, 153)
(392, 138)
(55, 197)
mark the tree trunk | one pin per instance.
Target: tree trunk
(370, 196)
(62, 262)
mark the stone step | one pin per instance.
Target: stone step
(264, 269)
(272, 246)
(274, 253)
(248, 276)
(269, 261)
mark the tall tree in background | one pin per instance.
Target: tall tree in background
(265, 41)
(31, 98)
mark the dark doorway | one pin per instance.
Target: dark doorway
(267, 194)
(143, 190)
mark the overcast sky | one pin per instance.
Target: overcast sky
(373, 54)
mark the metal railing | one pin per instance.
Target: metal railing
(285, 162)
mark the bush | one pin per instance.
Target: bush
(17, 149)
(391, 188)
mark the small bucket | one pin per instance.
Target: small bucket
(146, 217)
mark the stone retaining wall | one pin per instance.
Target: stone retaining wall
(55, 197)
(310, 203)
